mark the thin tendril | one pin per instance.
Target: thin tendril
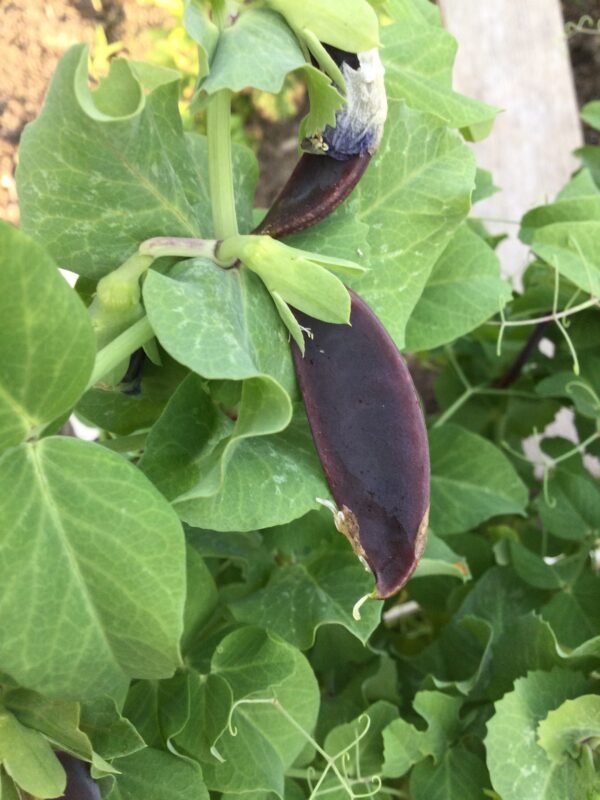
(579, 448)
(501, 332)
(585, 387)
(458, 403)
(570, 345)
(358, 605)
(548, 498)
(548, 464)
(513, 323)
(585, 25)
(378, 783)
(331, 762)
(586, 263)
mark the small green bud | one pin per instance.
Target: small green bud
(298, 278)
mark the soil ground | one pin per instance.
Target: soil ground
(35, 33)
(33, 36)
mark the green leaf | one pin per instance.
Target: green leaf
(141, 708)
(238, 547)
(189, 448)
(124, 413)
(419, 58)
(412, 198)
(405, 745)
(459, 775)
(571, 727)
(102, 555)
(569, 209)
(116, 164)
(28, 759)
(47, 347)
(340, 235)
(174, 707)
(519, 766)
(112, 735)
(484, 186)
(460, 656)
(57, 720)
(576, 388)
(581, 185)
(202, 596)
(318, 591)
(350, 25)
(324, 100)
(574, 615)
(219, 323)
(529, 643)
(471, 481)
(271, 480)
(210, 702)
(184, 447)
(573, 248)
(530, 566)
(572, 509)
(8, 790)
(200, 27)
(466, 278)
(154, 775)
(590, 158)
(590, 113)
(257, 666)
(292, 791)
(256, 32)
(367, 731)
(439, 559)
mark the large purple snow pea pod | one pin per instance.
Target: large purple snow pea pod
(370, 435)
(336, 159)
(316, 187)
(361, 403)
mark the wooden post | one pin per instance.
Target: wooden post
(514, 55)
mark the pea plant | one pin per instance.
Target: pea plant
(277, 573)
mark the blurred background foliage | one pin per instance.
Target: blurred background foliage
(171, 46)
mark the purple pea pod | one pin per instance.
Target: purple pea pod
(360, 400)
(336, 158)
(80, 784)
(316, 187)
(370, 435)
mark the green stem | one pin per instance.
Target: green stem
(457, 368)
(219, 8)
(594, 301)
(580, 448)
(181, 246)
(120, 348)
(324, 60)
(120, 289)
(220, 165)
(451, 411)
